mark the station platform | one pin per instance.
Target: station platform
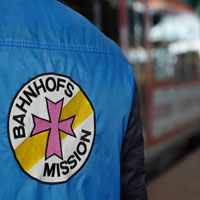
(181, 182)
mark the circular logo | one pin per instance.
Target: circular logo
(51, 128)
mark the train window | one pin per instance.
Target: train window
(174, 55)
(163, 64)
(175, 46)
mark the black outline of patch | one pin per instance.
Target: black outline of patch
(26, 83)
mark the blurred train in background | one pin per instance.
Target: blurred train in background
(161, 39)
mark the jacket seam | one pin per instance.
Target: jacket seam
(55, 46)
(61, 47)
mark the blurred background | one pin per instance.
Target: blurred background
(161, 39)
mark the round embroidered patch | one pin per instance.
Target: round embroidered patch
(51, 127)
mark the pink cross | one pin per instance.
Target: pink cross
(54, 125)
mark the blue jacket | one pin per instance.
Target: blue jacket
(69, 110)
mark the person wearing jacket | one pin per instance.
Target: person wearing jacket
(69, 118)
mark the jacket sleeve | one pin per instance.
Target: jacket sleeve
(132, 157)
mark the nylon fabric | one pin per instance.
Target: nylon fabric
(44, 36)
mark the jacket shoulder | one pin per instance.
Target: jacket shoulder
(50, 23)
